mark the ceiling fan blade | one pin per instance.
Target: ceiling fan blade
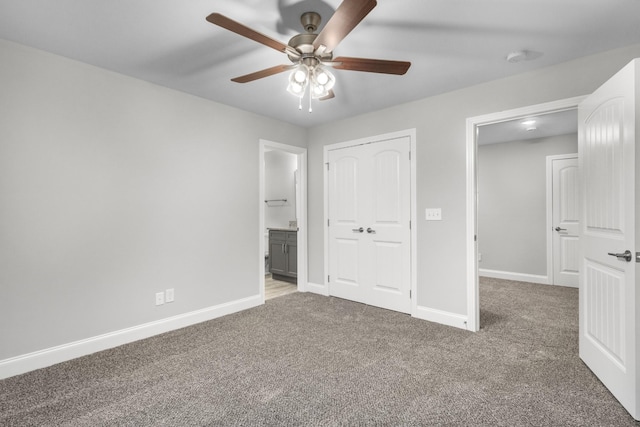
(329, 96)
(238, 28)
(347, 16)
(262, 73)
(370, 65)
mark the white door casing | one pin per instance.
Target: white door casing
(473, 288)
(565, 219)
(608, 298)
(301, 212)
(369, 232)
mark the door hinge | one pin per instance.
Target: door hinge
(409, 224)
(328, 222)
(475, 237)
(328, 278)
(409, 293)
(327, 165)
(409, 155)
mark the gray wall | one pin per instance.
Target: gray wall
(512, 203)
(112, 189)
(440, 123)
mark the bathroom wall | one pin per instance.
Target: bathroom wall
(279, 171)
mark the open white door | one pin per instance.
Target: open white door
(609, 302)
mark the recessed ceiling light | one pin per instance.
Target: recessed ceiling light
(518, 56)
(522, 55)
(528, 122)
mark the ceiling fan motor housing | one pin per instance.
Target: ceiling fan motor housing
(310, 21)
(303, 43)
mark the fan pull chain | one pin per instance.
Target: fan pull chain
(300, 103)
(310, 97)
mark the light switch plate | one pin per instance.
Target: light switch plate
(433, 214)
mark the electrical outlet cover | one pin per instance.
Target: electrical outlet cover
(169, 295)
(159, 298)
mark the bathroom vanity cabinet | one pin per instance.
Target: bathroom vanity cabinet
(283, 254)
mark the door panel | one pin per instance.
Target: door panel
(345, 191)
(569, 259)
(566, 219)
(388, 265)
(604, 288)
(608, 297)
(347, 261)
(604, 146)
(387, 200)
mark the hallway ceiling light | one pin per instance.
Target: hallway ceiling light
(530, 125)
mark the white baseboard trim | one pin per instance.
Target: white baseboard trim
(518, 277)
(50, 356)
(439, 316)
(317, 289)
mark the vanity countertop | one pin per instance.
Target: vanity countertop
(283, 229)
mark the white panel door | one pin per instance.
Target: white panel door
(346, 224)
(369, 214)
(566, 217)
(608, 296)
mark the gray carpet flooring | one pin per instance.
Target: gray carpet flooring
(304, 359)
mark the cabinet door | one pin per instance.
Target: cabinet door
(292, 259)
(277, 257)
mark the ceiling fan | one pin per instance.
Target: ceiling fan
(310, 53)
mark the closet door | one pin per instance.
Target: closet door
(369, 214)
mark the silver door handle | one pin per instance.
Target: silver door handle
(371, 230)
(558, 229)
(358, 230)
(626, 255)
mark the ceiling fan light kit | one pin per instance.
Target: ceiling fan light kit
(311, 54)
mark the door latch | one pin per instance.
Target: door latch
(626, 255)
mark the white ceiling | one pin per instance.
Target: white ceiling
(451, 44)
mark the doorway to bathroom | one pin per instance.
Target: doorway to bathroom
(283, 196)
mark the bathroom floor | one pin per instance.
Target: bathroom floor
(276, 288)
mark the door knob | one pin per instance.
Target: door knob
(371, 230)
(358, 230)
(626, 255)
(558, 229)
